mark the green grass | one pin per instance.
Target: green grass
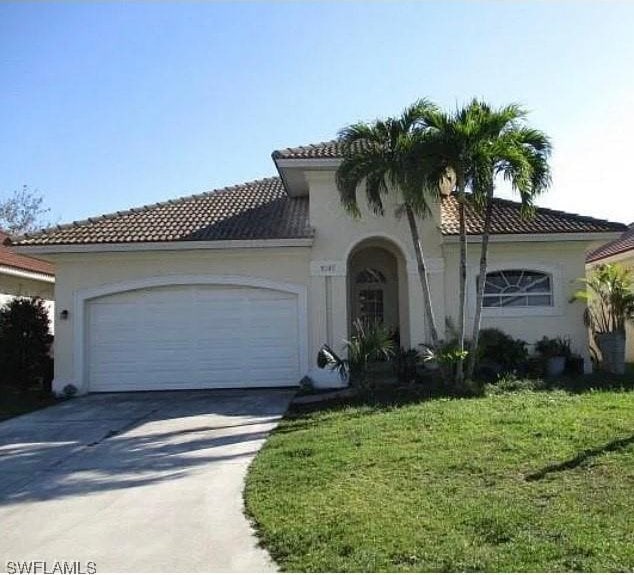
(445, 485)
(13, 403)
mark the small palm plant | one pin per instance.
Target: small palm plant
(609, 297)
(370, 342)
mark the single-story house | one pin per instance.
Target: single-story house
(240, 287)
(25, 276)
(621, 251)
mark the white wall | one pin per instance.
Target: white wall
(564, 260)
(337, 234)
(76, 272)
(322, 268)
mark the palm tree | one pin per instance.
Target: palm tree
(475, 144)
(381, 156)
(520, 154)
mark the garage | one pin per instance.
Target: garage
(192, 337)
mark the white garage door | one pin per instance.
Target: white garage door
(191, 337)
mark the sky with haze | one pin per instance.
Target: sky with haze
(106, 106)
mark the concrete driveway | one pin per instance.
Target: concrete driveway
(135, 482)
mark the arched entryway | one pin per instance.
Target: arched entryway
(377, 286)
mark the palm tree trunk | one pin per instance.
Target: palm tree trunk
(484, 253)
(422, 275)
(463, 286)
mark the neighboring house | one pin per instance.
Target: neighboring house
(22, 275)
(240, 287)
(621, 251)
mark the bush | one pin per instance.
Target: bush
(24, 344)
(553, 347)
(369, 343)
(404, 363)
(499, 353)
(511, 384)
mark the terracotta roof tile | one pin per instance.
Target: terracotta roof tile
(8, 258)
(322, 150)
(255, 210)
(621, 245)
(263, 210)
(507, 219)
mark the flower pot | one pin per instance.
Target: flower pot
(612, 348)
(555, 366)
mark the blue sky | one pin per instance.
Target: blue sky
(114, 105)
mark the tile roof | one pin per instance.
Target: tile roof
(621, 245)
(255, 210)
(320, 151)
(507, 219)
(8, 258)
(262, 210)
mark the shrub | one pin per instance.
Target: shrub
(446, 357)
(24, 343)
(511, 384)
(404, 363)
(499, 353)
(553, 347)
(369, 343)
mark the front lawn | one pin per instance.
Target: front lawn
(513, 482)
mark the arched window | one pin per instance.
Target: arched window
(518, 288)
(370, 295)
(370, 276)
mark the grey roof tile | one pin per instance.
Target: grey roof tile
(507, 219)
(263, 210)
(255, 210)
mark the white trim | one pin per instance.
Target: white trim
(433, 265)
(166, 246)
(379, 236)
(81, 297)
(553, 270)
(26, 274)
(538, 237)
(310, 163)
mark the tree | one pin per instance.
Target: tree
(520, 154)
(22, 212)
(24, 343)
(381, 156)
(475, 144)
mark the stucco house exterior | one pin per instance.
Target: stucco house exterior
(621, 251)
(21, 276)
(240, 286)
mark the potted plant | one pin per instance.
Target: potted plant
(555, 351)
(609, 297)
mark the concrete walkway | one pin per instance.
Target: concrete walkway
(135, 482)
